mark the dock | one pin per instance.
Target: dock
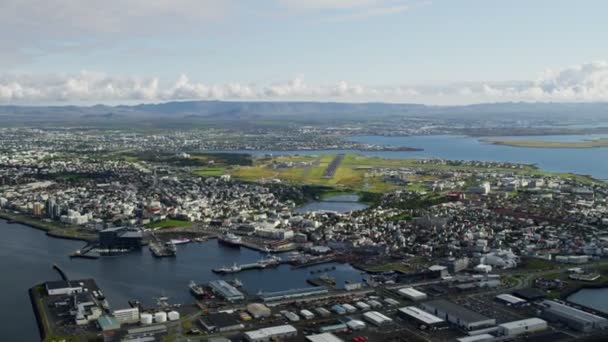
(259, 265)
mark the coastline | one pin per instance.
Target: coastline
(39, 225)
(576, 145)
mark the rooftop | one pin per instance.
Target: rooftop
(454, 309)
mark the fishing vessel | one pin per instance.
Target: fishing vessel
(180, 241)
(232, 269)
(171, 248)
(229, 239)
(197, 290)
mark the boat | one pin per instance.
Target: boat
(171, 248)
(180, 241)
(237, 283)
(229, 239)
(270, 261)
(197, 290)
(200, 239)
(232, 269)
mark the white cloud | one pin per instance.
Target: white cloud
(584, 82)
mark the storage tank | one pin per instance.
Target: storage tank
(173, 315)
(145, 319)
(160, 317)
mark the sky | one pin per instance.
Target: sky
(406, 51)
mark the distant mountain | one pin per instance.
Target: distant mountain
(301, 111)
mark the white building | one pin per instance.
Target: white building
(412, 294)
(127, 315)
(524, 326)
(272, 333)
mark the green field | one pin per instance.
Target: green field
(164, 224)
(211, 171)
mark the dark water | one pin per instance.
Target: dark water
(27, 255)
(594, 298)
(339, 203)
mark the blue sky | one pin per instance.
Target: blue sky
(439, 52)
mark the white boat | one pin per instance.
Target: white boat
(180, 241)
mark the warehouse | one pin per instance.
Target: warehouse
(258, 310)
(62, 287)
(524, 326)
(510, 300)
(572, 317)
(412, 294)
(306, 314)
(421, 317)
(324, 337)
(334, 328)
(221, 322)
(272, 333)
(376, 318)
(229, 292)
(457, 314)
(295, 293)
(362, 306)
(477, 338)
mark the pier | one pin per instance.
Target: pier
(261, 264)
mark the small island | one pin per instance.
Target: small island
(591, 143)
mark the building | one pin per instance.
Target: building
(376, 318)
(572, 317)
(126, 316)
(412, 294)
(272, 333)
(62, 287)
(510, 300)
(258, 310)
(421, 317)
(457, 314)
(151, 333)
(477, 338)
(120, 237)
(295, 293)
(324, 337)
(107, 323)
(227, 291)
(524, 326)
(221, 322)
(335, 327)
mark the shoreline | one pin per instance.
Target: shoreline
(575, 145)
(39, 225)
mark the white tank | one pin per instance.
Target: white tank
(160, 317)
(145, 319)
(173, 315)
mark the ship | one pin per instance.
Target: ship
(270, 261)
(180, 241)
(197, 290)
(229, 239)
(232, 269)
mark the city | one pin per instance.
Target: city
(303, 171)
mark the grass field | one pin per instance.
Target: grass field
(211, 171)
(355, 173)
(169, 224)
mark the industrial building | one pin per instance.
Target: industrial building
(457, 314)
(510, 300)
(334, 328)
(572, 317)
(421, 317)
(258, 310)
(324, 337)
(272, 333)
(412, 294)
(120, 237)
(294, 293)
(227, 291)
(376, 318)
(524, 326)
(62, 287)
(477, 338)
(221, 322)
